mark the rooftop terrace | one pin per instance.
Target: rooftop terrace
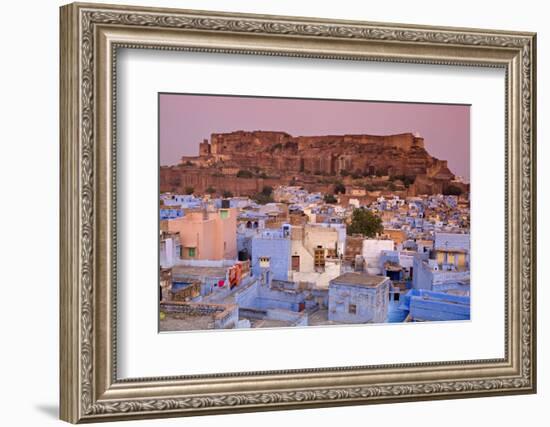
(359, 279)
(185, 322)
(186, 271)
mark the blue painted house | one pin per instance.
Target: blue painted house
(435, 306)
(170, 213)
(274, 244)
(358, 298)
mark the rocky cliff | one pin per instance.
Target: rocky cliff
(242, 162)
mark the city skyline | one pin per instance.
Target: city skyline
(282, 213)
(185, 120)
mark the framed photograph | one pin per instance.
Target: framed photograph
(266, 213)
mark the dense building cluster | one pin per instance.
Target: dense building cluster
(290, 259)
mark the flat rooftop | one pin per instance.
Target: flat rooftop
(359, 279)
(183, 270)
(186, 322)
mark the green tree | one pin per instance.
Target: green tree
(210, 190)
(264, 196)
(189, 190)
(339, 188)
(452, 190)
(226, 194)
(365, 222)
(406, 179)
(329, 198)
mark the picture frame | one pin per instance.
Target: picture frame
(91, 36)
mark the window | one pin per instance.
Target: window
(352, 309)
(450, 258)
(191, 252)
(319, 258)
(295, 263)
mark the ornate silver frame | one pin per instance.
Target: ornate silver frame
(90, 36)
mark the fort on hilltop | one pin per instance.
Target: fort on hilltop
(242, 162)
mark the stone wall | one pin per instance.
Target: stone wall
(224, 315)
(181, 178)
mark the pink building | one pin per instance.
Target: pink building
(205, 235)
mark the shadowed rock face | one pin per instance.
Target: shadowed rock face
(274, 158)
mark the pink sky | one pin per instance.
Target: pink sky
(185, 120)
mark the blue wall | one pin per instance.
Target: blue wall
(436, 306)
(278, 250)
(422, 275)
(170, 213)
